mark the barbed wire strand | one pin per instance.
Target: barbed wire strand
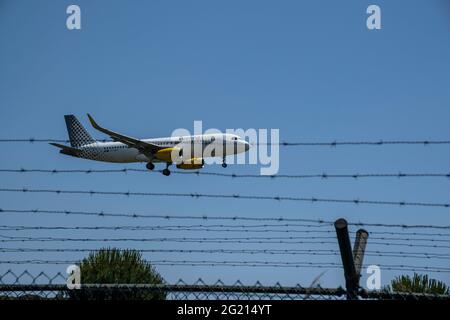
(320, 222)
(201, 227)
(308, 252)
(242, 240)
(229, 196)
(237, 176)
(218, 228)
(334, 143)
(245, 263)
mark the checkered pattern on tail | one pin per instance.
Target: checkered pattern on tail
(78, 135)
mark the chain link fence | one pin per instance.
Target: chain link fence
(26, 286)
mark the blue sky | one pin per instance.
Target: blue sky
(310, 69)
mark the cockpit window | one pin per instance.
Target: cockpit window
(234, 138)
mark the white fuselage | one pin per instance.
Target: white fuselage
(221, 144)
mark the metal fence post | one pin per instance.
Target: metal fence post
(351, 277)
(358, 251)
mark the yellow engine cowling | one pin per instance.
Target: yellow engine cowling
(191, 164)
(166, 154)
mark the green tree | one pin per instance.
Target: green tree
(117, 266)
(418, 284)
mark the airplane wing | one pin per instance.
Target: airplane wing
(144, 147)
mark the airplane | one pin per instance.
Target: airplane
(126, 149)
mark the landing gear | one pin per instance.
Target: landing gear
(224, 164)
(150, 166)
(166, 171)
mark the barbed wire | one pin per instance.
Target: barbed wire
(195, 263)
(246, 264)
(228, 196)
(307, 252)
(334, 143)
(242, 240)
(157, 239)
(223, 228)
(319, 222)
(194, 228)
(235, 175)
(410, 239)
(165, 216)
(233, 227)
(364, 142)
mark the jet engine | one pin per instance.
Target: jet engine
(166, 154)
(192, 164)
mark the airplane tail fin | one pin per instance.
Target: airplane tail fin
(78, 135)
